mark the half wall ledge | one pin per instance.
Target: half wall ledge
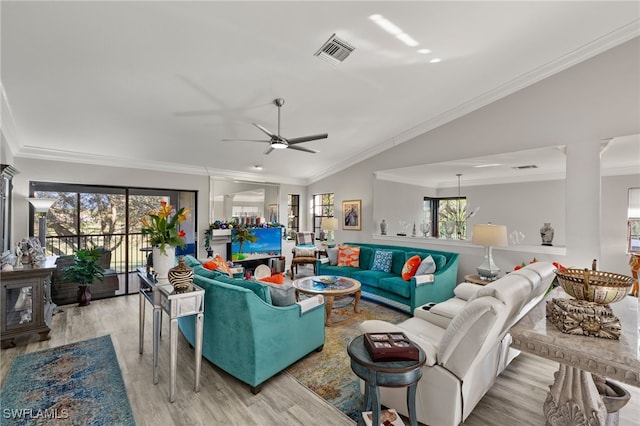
(447, 244)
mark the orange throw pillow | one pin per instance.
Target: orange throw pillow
(349, 256)
(410, 267)
(211, 265)
(275, 279)
(218, 263)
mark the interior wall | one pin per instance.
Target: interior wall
(6, 157)
(398, 204)
(613, 230)
(52, 171)
(601, 94)
(522, 207)
(353, 184)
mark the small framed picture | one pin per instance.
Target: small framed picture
(352, 215)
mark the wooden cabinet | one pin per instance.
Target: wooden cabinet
(25, 303)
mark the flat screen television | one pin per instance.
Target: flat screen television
(269, 241)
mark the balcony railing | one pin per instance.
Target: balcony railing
(133, 248)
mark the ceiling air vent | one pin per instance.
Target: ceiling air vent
(335, 50)
(529, 166)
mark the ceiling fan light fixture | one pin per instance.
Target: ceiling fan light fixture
(278, 145)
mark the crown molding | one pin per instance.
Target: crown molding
(222, 174)
(105, 160)
(110, 161)
(473, 182)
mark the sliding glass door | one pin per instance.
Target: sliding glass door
(110, 217)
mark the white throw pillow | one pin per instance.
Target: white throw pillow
(332, 254)
(466, 291)
(427, 266)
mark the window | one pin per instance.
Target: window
(293, 214)
(446, 217)
(322, 207)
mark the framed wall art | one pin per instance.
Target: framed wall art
(273, 213)
(352, 215)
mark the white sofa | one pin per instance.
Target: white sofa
(466, 341)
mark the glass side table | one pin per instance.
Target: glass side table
(162, 296)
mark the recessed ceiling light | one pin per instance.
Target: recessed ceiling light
(435, 60)
(407, 39)
(424, 51)
(386, 24)
(479, 166)
(393, 29)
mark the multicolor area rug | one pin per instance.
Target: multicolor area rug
(328, 373)
(75, 384)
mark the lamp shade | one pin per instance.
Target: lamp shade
(489, 235)
(329, 224)
(41, 205)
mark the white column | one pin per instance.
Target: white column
(583, 203)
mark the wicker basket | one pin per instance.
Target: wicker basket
(595, 286)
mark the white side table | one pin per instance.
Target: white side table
(163, 297)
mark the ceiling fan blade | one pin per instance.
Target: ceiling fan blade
(300, 148)
(301, 139)
(265, 130)
(268, 150)
(245, 140)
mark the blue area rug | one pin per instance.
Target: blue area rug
(328, 373)
(75, 384)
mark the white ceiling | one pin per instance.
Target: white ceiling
(158, 84)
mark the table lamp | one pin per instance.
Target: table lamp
(41, 206)
(489, 236)
(329, 224)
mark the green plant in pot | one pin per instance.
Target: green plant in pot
(85, 270)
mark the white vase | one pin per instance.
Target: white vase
(162, 262)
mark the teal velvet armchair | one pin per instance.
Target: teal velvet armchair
(249, 338)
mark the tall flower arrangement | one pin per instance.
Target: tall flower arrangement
(163, 228)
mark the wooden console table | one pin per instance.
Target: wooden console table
(574, 393)
(25, 299)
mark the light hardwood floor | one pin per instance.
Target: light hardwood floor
(516, 398)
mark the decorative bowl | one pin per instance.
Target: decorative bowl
(326, 280)
(594, 286)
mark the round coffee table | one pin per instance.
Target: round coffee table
(330, 287)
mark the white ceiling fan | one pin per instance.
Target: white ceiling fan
(278, 142)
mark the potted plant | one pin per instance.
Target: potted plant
(85, 270)
(164, 236)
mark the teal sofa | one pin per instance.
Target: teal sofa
(389, 287)
(244, 334)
